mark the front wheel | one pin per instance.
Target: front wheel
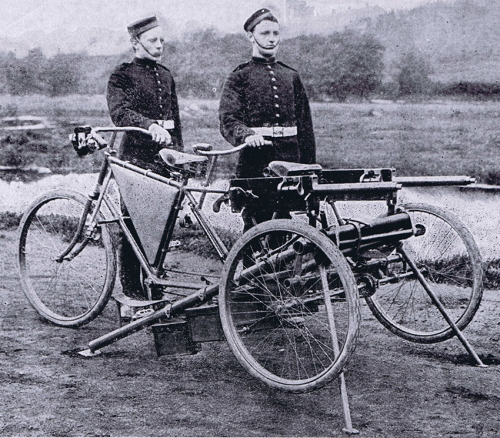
(448, 258)
(289, 306)
(71, 290)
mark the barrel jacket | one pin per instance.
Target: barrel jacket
(140, 93)
(266, 93)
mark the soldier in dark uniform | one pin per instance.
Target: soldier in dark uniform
(141, 93)
(264, 101)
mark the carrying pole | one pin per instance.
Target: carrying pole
(168, 311)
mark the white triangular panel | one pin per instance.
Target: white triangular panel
(149, 203)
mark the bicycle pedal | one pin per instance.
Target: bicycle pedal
(294, 321)
(142, 313)
(174, 244)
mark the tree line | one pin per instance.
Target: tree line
(334, 67)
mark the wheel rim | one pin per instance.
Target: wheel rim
(279, 326)
(69, 290)
(449, 260)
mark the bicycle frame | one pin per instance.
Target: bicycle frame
(99, 201)
(98, 198)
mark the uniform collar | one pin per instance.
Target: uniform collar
(264, 61)
(145, 62)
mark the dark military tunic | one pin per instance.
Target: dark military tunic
(265, 93)
(140, 93)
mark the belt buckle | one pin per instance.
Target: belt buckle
(166, 124)
(278, 131)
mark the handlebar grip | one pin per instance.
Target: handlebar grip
(101, 142)
(204, 147)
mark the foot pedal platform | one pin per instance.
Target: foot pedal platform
(89, 353)
(123, 300)
(174, 338)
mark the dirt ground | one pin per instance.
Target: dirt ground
(396, 389)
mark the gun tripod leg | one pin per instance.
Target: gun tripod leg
(348, 429)
(440, 307)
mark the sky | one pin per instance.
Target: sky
(18, 17)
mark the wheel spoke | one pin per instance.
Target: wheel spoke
(68, 292)
(280, 321)
(449, 261)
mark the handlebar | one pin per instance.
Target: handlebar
(202, 151)
(83, 144)
(121, 129)
(86, 139)
(198, 149)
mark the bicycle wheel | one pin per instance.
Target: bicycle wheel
(289, 305)
(72, 291)
(447, 256)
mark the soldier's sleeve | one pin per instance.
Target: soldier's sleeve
(305, 131)
(177, 131)
(119, 103)
(231, 111)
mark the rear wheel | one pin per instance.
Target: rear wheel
(73, 290)
(447, 256)
(289, 306)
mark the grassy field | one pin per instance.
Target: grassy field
(424, 138)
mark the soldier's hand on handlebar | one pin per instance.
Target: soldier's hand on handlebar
(255, 141)
(159, 134)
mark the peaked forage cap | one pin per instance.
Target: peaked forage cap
(143, 25)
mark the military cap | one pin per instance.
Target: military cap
(141, 26)
(257, 17)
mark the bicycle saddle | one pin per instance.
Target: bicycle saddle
(286, 168)
(176, 158)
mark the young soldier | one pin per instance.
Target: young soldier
(141, 93)
(264, 100)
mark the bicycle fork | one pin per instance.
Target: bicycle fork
(96, 197)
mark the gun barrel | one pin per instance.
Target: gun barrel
(435, 181)
(382, 230)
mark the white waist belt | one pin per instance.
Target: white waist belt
(166, 124)
(276, 131)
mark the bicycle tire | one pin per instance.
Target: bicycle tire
(448, 256)
(68, 293)
(274, 306)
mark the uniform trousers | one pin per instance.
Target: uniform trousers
(129, 268)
